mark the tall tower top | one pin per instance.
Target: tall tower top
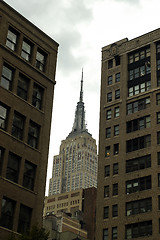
(79, 125)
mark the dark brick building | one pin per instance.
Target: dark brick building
(27, 69)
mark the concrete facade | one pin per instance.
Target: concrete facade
(27, 68)
(128, 198)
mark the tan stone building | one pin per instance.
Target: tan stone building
(76, 165)
(27, 69)
(128, 196)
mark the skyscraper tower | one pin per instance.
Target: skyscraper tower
(76, 165)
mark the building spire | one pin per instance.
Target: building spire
(81, 91)
(79, 125)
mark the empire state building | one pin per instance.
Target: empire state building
(76, 165)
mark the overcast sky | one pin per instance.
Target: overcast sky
(82, 28)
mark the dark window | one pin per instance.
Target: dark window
(158, 179)
(140, 71)
(7, 213)
(22, 88)
(158, 117)
(24, 219)
(158, 64)
(114, 233)
(33, 134)
(105, 234)
(107, 171)
(116, 149)
(159, 202)
(106, 212)
(158, 158)
(139, 206)
(115, 189)
(137, 105)
(158, 137)
(108, 114)
(1, 158)
(37, 97)
(117, 94)
(26, 50)
(12, 38)
(109, 97)
(106, 191)
(116, 130)
(138, 184)
(115, 168)
(29, 175)
(115, 210)
(3, 116)
(110, 63)
(117, 79)
(158, 98)
(116, 112)
(140, 229)
(40, 60)
(108, 132)
(7, 77)
(18, 125)
(138, 163)
(117, 60)
(13, 166)
(138, 143)
(137, 56)
(138, 124)
(110, 79)
(107, 151)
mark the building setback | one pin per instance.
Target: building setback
(128, 197)
(76, 165)
(27, 69)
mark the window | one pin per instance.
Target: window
(24, 219)
(158, 117)
(138, 163)
(109, 97)
(117, 60)
(159, 202)
(158, 98)
(40, 60)
(107, 171)
(110, 63)
(107, 151)
(116, 130)
(22, 87)
(108, 114)
(13, 167)
(110, 79)
(158, 179)
(1, 158)
(33, 134)
(12, 38)
(37, 97)
(7, 213)
(158, 158)
(140, 71)
(158, 137)
(7, 77)
(29, 175)
(115, 210)
(18, 125)
(140, 88)
(137, 105)
(115, 189)
(138, 184)
(114, 233)
(116, 112)
(105, 234)
(106, 212)
(140, 229)
(117, 94)
(117, 79)
(116, 149)
(26, 50)
(3, 116)
(106, 191)
(138, 143)
(115, 168)
(138, 124)
(141, 54)
(108, 132)
(139, 206)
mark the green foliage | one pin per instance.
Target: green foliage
(35, 233)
